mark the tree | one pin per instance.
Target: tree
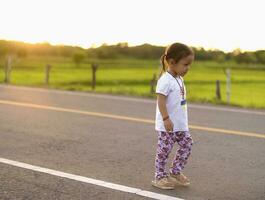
(78, 58)
(246, 57)
(260, 56)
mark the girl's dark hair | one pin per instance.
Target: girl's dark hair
(175, 51)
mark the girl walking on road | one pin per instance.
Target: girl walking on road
(171, 117)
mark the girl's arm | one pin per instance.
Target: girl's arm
(161, 99)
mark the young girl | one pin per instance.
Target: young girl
(171, 117)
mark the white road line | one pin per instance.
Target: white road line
(113, 186)
(109, 96)
(80, 93)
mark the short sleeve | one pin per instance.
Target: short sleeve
(163, 86)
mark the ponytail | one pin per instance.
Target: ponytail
(162, 60)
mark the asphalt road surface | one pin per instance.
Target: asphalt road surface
(74, 145)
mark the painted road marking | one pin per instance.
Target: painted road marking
(208, 129)
(109, 96)
(101, 183)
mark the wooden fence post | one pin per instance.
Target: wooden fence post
(218, 90)
(8, 69)
(94, 69)
(228, 85)
(47, 73)
(153, 84)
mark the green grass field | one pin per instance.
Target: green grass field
(132, 77)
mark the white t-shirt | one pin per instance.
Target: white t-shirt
(168, 86)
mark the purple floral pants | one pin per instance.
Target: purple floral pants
(165, 144)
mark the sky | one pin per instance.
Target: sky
(212, 24)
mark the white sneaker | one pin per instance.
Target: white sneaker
(164, 183)
(180, 179)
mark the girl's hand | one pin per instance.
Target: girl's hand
(168, 125)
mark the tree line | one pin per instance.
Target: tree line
(123, 50)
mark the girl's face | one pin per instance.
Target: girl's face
(182, 67)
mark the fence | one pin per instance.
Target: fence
(138, 79)
(94, 67)
(86, 76)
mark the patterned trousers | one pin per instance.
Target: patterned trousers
(165, 144)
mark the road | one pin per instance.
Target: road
(112, 139)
